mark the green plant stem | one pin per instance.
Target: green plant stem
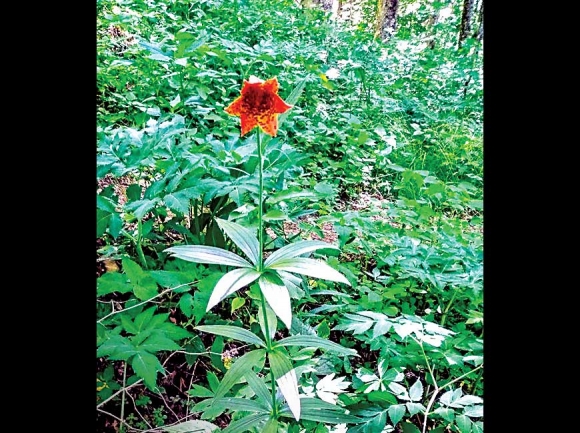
(122, 426)
(444, 317)
(261, 257)
(260, 203)
(138, 244)
(437, 387)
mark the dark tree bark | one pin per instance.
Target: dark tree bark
(466, 18)
(433, 20)
(387, 18)
(479, 32)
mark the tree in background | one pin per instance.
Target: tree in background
(387, 18)
(471, 16)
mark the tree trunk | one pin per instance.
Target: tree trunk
(433, 20)
(387, 18)
(479, 33)
(466, 18)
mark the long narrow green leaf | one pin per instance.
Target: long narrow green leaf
(234, 332)
(314, 409)
(314, 341)
(297, 249)
(259, 387)
(243, 237)
(286, 380)
(238, 369)
(292, 99)
(310, 267)
(246, 423)
(191, 426)
(208, 255)
(277, 296)
(229, 283)
(238, 403)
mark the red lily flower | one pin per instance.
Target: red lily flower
(259, 105)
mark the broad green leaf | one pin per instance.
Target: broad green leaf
(242, 404)
(230, 282)
(185, 304)
(103, 219)
(128, 324)
(314, 409)
(111, 282)
(200, 391)
(469, 399)
(286, 379)
(277, 296)
(275, 215)
(246, 423)
(309, 267)
(475, 411)
(172, 279)
(106, 204)
(238, 369)
(354, 323)
(296, 249)
(143, 318)
(146, 367)
(140, 208)
(416, 391)
(117, 348)
(477, 427)
(115, 225)
(157, 342)
(202, 295)
(178, 204)
(382, 396)
(463, 423)
(399, 390)
(171, 330)
(259, 387)
(234, 332)
(314, 341)
(377, 423)
(243, 237)
(409, 428)
(445, 413)
(415, 408)
(396, 412)
(207, 255)
(192, 426)
(133, 271)
(144, 292)
(237, 303)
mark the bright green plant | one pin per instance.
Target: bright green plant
(259, 105)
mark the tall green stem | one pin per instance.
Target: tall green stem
(260, 203)
(138, 243)
(261, 255)
(444, 317)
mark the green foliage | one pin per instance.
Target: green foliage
(361, 231)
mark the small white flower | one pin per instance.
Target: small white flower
(332, 73)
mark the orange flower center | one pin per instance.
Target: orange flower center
(256, 101)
